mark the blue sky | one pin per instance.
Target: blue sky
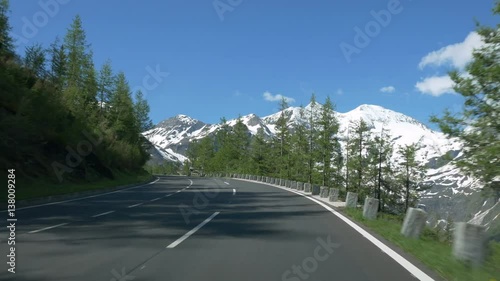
(223, 56)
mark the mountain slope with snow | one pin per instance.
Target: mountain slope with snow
(452, 194)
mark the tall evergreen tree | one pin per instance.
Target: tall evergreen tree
(357, 147)
(412, 173)
(300, 148)
(312, 135)
(105, 83)
(34, 60)
(478, 124)
(122, 116)
(283, 136)
(141, 111)
(58, 64)
(6, 42)
(328, 129)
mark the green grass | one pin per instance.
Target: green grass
(431, 251)
(43, 188)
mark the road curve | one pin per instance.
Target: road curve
(194, 229)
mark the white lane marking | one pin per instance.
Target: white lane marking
(226, 183)
(135, 205)
(192, 231)
(190, 184)
(103, 214)
(50, 227)
(152, 200)
(82, 198)
(178, 191)
(234, 191)
(415, 271)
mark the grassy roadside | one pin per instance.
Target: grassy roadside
(431, 251)
(40, 189)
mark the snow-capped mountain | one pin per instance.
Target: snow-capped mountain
(452, 194)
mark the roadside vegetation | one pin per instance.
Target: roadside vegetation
(433, 248)
(66, 124)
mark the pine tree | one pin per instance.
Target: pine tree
(35, 60)
(312, 136)
(327, 141)
(380, 165)
(299, 148)
(122, 115)
(105, 83)
(259, 151)
(141, 111)
(6, 42)
(478, 124)
(283, 136)
(412, 173)
(357, 147)
(58, 64)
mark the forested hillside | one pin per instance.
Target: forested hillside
(63, 119)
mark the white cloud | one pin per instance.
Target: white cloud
(436, 85)
(388, 89)
(270, 97)
(457, 55)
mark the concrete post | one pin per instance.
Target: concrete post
(334, 195)
(315, 189)
(323, 192)
(294, 185)
(300, 185)
(414, 222)
(307, 187)
(469, 243)
(370, 208)
(351, 200)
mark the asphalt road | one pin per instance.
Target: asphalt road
(193, 229)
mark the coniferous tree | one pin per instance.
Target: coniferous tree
(141, 111)
(34, 60)
(312, 139)
(283, 136)
(357, 147)
(300, 148)
(412, 173)
(478, 123)
(58, 64)
(328, 129)
(6, 42)
(105, 83)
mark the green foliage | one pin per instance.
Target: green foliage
(478, 124)
(49, 111)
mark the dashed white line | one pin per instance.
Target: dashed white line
(103, 214)
(82, 198)
(155, 199)
(192, 231)
(50, 227)
(226, 183)
(168, 195)
(234, 191)
(135, 205)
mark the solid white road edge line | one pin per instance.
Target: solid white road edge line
(103, 214)
(415, 271)
(82, 198)
(191, 232)
(50, 227)
(152, 200)
(234, 191)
